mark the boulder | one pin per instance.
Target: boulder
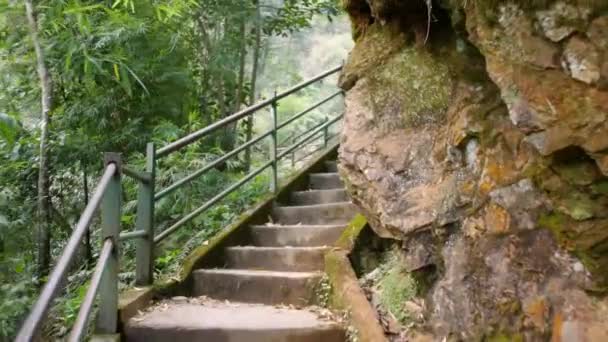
(477, 133)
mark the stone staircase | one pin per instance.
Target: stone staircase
(263, 289)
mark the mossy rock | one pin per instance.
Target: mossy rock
(373, 48)
(504, 337)
(588, 240)
(600, 188)
(396, 286)
(415, 83)
(578, 173)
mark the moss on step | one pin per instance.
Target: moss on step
(351, 233)
(346, 294)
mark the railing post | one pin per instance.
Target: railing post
(325, 133)
(107, 319)
(144, 270)
(273, 151)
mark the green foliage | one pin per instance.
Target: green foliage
(9, 127)
(295, 15)
(17, 298)
(126, 72)
(209, 223)
(396, 286)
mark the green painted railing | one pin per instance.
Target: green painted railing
(107, 195)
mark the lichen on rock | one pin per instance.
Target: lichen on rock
(484, 148)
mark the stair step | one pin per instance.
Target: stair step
(330, 180)
(329, 213)
(331, 166)
(254, 286)
(318, 196)
(231, 322)
(297, 259)
(297, 236)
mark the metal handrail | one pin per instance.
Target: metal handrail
(309, 135)
(58, 275)
(190, 138)
(211, 202)
(306, 111)
(86, 307)
(107, 195)
(209, 166)
(193, 137)
(298, 136)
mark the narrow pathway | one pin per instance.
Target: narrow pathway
(255, 296)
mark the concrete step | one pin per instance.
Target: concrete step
(331, 166)
(330, 180)
(254, 286)
(231, 322)
(330, 213)
(318, 196)
(297, 236)
(295, 259)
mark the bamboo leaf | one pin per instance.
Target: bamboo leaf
(82, 9)
(124, 81)
(138, 80)
(8, 128)
(116, 73)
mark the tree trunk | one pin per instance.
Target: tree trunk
(265, 51)
(230, 132)
(254, 75)
(44, 226)
(241, 78)
(205, 49)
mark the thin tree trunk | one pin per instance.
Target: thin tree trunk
(241, 79)
(254, 76)
(205, 50)
(230, 130)
(223, 138)
(238, 95)
(44, 226)
(265, 49)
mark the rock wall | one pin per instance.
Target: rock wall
(476, 131)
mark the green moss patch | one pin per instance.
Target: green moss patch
(414, 82)
(396, 286)
(600, 188)
(373, 48)
(502, 337)
(588, 240)
(349, 235)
